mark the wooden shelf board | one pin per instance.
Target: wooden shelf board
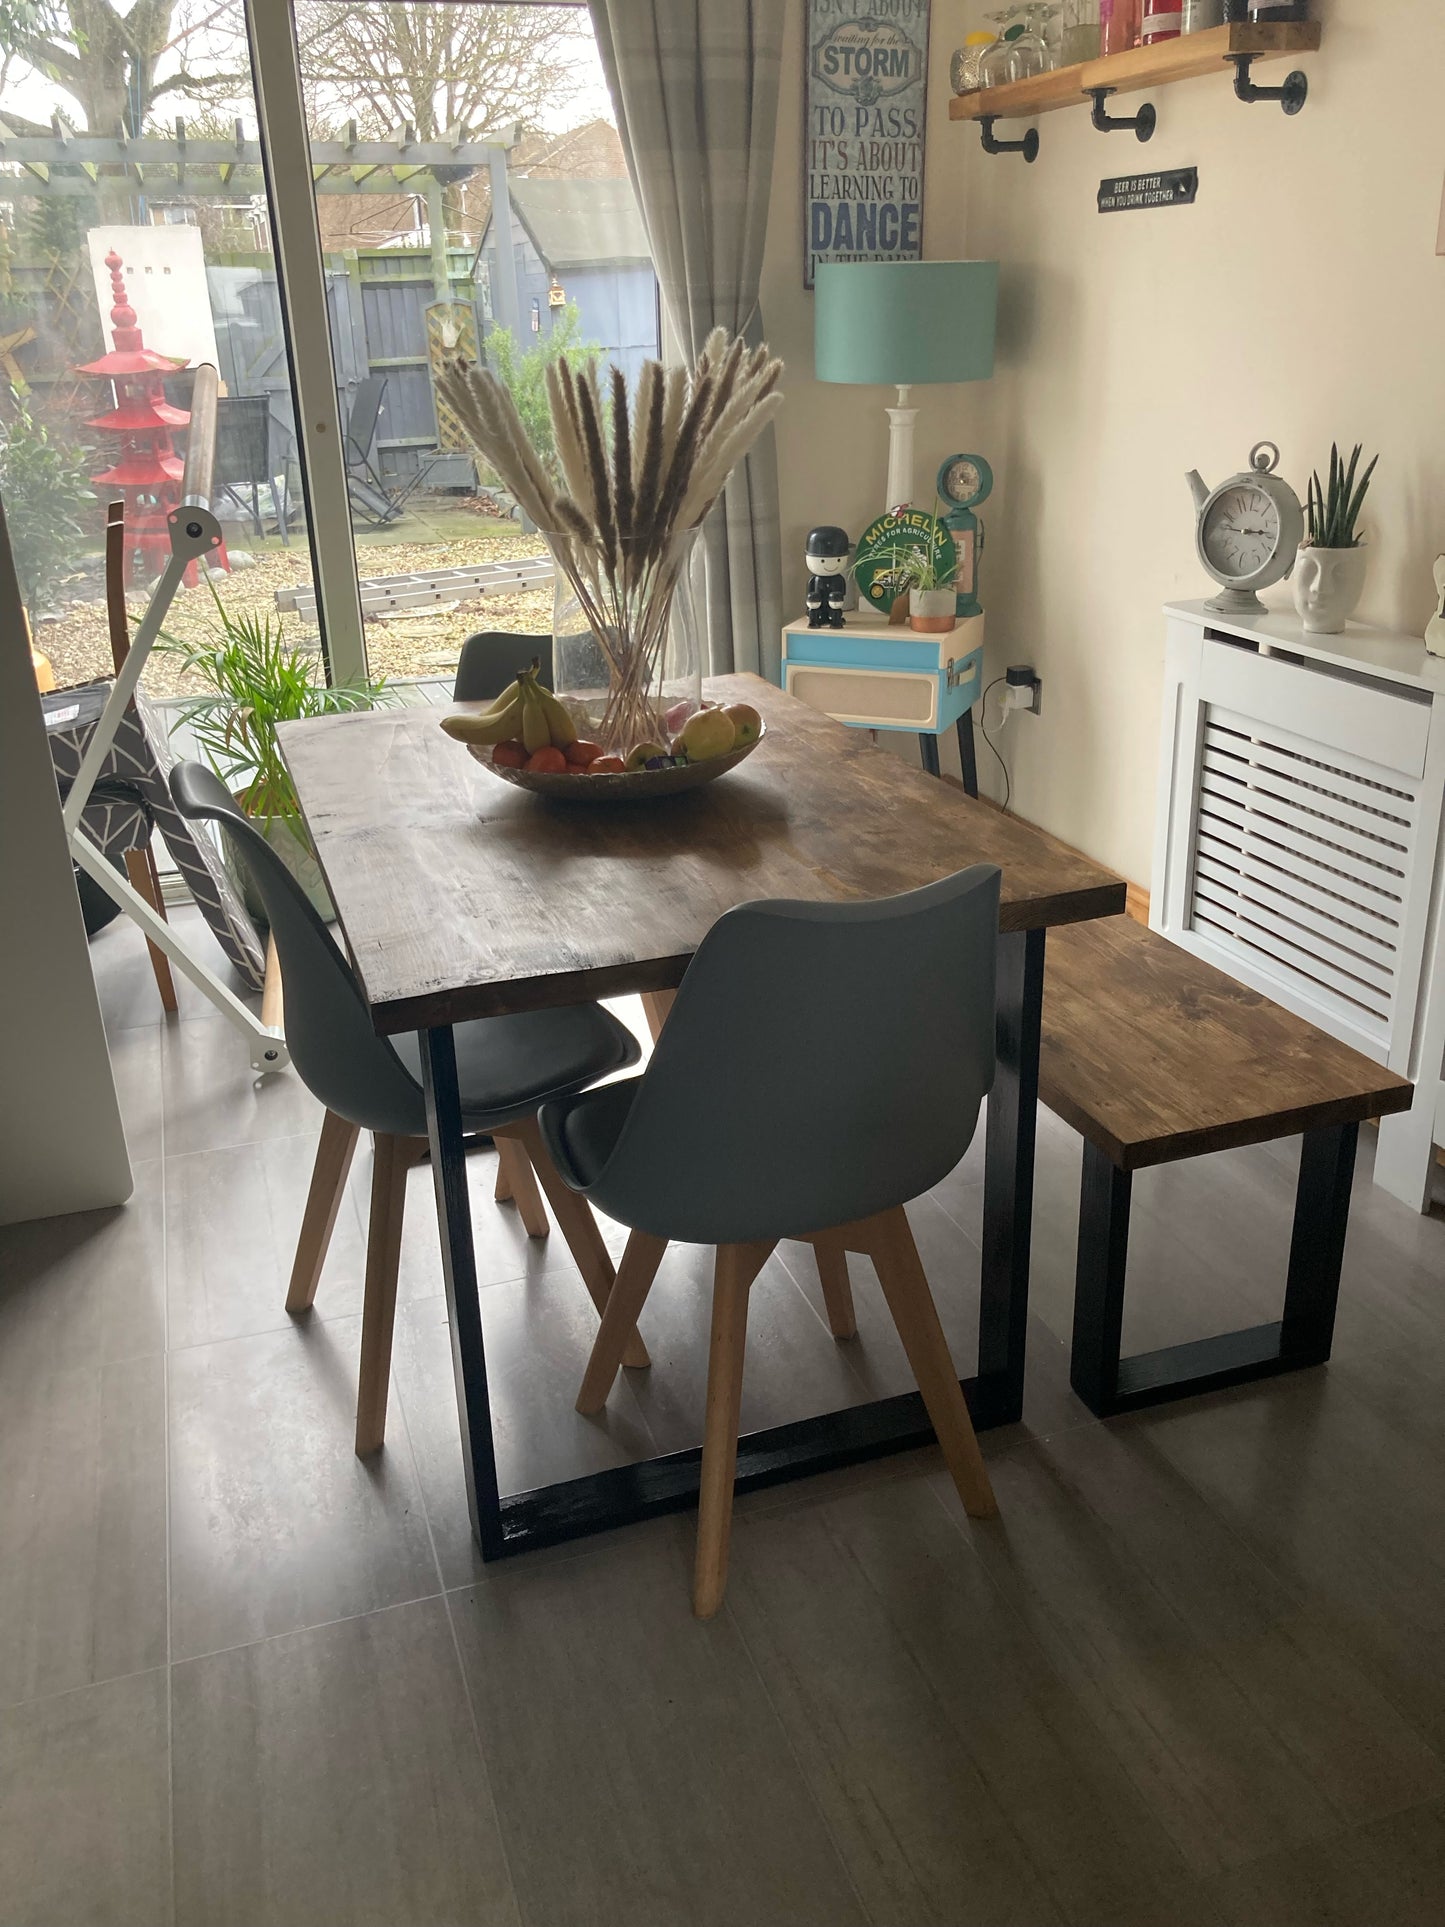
(1188, 58)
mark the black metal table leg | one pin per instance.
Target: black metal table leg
(1008, 1196)
(929, 746)
(518, 1521)
(459, 1270)
(1104, 1193)
(1317, 1247)
(967, 761)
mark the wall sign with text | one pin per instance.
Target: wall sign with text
(865, 96)
(1126, 192)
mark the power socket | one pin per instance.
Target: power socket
(1023, 689)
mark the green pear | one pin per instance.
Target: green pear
(747, 723)
(643, 755)
(711, 732)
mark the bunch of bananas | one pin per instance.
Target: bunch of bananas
(525, 713)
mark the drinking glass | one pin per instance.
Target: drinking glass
(1081, 32)
(996, 67)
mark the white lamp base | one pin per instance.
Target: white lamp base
(900, 451)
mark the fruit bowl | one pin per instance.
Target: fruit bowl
(619, 786)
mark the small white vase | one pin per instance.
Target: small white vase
(1328, 584)
(932, 610)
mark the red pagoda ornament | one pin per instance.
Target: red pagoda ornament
(147, 470)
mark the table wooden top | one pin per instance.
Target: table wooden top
(461, 896)
(1155, 1055)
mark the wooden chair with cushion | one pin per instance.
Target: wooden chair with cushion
(822, 1065)
(507, 1067)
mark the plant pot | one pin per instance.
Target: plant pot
(1328, 584)
(298, 859)
(933, 611)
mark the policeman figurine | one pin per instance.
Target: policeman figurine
(828, 553)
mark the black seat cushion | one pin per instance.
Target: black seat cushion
(508, 1066)
(581, 1131)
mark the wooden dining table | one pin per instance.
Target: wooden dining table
(459, 896)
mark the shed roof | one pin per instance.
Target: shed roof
(580, 223)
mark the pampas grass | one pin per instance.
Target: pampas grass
(635, 477)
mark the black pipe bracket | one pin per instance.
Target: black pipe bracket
(1141, 125)
(1291, 97)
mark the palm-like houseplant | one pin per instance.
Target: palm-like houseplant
(259, 680)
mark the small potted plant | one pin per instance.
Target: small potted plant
(932, 598)
(259, 680)
(1329, 577)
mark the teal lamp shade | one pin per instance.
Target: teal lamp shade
(902, 322)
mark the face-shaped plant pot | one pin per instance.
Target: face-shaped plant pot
(1328, 584)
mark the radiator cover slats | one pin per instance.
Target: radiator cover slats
(1301, 862)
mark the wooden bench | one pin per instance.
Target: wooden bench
(1153, 1056)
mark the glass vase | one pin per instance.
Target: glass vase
(627, 643)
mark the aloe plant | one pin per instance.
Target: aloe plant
(1333, 510)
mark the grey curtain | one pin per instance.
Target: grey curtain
(695, 86)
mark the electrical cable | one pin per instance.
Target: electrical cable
(983, 726)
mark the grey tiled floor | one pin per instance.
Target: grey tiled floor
(1195, 1674)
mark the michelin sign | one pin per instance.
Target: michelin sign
(864, 123)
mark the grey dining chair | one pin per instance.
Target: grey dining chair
(489, 661)
(822, 1065)
(507, 1067)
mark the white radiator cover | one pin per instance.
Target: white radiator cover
(1298, 845)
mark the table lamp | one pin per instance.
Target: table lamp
(899, 324)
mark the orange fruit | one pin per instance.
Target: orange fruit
(509, 756)
(606, 766)
(548, 760)
(581, 753)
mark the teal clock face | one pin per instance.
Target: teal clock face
(879, 563)
(964, 481)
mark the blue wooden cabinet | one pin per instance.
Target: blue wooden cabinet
(879, 677)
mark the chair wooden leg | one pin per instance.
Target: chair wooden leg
(619, 1320)
(328, 1186)
(393, 1158)
(905, 1286)
(515, 1167)
(579, 1227)
(656, 1004)
(837, 1291)
(140, 868)
(273, 995)
(736, 1268)
(503, 1189)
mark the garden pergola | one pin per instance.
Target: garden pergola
(179, 164)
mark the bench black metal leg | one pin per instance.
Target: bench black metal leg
(1104, 1194)
(1008, 1194)
(929, 746)
(967, 761)
(1109, 1384)
(1317, 1248)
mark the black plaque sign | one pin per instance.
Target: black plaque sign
(1175, 188)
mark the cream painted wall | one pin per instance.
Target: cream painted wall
(1301, 299)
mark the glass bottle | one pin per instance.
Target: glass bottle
(1201, 15)
(1081, 31)
(1119, 25)
(1162, 20)
(1268, 12)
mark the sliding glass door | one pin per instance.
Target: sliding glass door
(138, 239)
